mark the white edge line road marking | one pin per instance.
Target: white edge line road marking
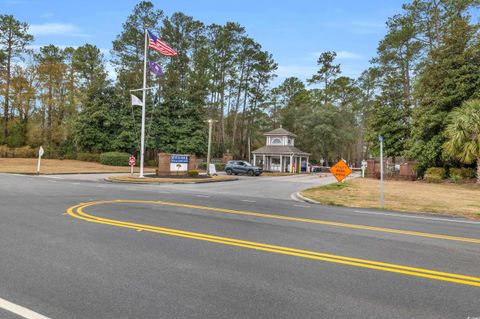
(248, 201)
(198, 195)
(294, 196)
(306, 206)
(419, 217)
(20, 311)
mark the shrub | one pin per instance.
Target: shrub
(88, 157)
(218, 166)
(468, 173)
(3, 150)
(25, 152)
(432, 178)
(456, 178)
(152, 163)
(114, 158)
(440, 171)
(435, 174)
(192, 173)
(463, 173)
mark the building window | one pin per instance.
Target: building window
(276, 141)
(289, 141)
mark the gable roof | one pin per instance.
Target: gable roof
(280, 150)
(280, 131)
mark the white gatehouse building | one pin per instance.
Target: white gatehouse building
(280, 154)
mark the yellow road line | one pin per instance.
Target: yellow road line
(77, 212)
(304, 220)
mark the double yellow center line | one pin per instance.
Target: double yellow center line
(77, 212)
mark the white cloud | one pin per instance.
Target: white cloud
(357, 27)
(344, 55)
(56, 29)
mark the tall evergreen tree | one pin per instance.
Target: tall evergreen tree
(14, 38)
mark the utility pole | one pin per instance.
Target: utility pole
(210, 124)
(144, 91)
(249, 151)
(380, 139)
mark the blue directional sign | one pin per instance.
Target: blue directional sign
(380, 138)
(179, 159)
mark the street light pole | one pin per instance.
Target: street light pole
(144, 91)
(380, 139)
(210, 124)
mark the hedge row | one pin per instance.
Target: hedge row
(114, 158)
(23, 152)
(438, 174)
(218, 166)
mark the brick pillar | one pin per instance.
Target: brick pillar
(192, 162)
(163, 164)
(370, 168)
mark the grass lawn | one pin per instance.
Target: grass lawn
(53, 166)
(445, 198)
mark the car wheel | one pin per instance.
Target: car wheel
(229, 172)
(250, 173)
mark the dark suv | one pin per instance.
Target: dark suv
(242, 167)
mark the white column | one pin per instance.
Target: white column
(308, 166)
(281, 164)
(254, 160)
(291, 163)
(263, 163)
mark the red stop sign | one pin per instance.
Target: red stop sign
(131, 161)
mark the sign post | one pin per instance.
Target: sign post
(131, 162)
(40, 154)
(340, 170)
(380, 139)
(364, 168)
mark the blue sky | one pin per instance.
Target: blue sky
(295, 32)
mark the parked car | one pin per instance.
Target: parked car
(242, 167)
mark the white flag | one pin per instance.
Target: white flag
(136, 100)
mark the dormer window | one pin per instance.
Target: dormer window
(289, 141)
(276, 141)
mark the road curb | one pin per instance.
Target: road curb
(160, 182)
(302, 198)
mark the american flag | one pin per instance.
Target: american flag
(159, 46)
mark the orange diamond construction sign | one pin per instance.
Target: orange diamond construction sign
(340, 170)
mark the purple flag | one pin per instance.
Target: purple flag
(155, 68)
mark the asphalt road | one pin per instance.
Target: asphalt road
(225, 250)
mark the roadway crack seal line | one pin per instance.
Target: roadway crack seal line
(304, 220)
(77, 212)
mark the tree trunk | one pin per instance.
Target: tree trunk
(7, 95)
(478, 170)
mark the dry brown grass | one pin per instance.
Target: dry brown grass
(159, 180)
(53, 166)
(451, 199)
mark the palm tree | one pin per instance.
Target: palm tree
(463, 134)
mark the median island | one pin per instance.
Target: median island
(170, 179)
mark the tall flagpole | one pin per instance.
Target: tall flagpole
(144, 90)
